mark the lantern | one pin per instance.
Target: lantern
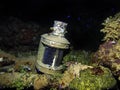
(51, 49)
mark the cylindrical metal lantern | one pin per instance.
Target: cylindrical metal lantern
(51, 48)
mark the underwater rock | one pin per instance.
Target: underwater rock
(16, 33)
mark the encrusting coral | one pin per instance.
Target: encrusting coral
(97, 78)
(71, 73)
(76, 77)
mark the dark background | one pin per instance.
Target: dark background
(84, 17)
(57, 9)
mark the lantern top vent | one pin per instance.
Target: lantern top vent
(59, 28)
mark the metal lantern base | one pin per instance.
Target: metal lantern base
(42, 69)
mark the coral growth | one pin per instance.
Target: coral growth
(71, 73)
(40, 82)
(83, 57)
(90, 81)
(112, 28)
(109, 52)
(78, 77)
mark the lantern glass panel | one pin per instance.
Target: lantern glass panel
(52, 56)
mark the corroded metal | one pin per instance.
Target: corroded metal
(55, 41)
(51, 49)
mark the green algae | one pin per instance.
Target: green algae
(89, 81)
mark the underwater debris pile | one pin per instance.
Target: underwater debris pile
(109, 52)
(10, 63)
